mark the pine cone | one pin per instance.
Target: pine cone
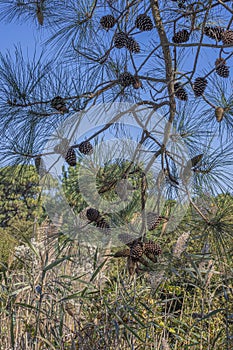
(107, 21)
(199, 86)
(227, 37)
(181, 4)
(221, 69)
(219, 113)
(152, 248)
(186, 174)
(103, 225)
(126, 79)
(70, 157)
(195, 160)
(38, 164)
(132, 45)
(120, 40)
(180, 92)
(86, 147)
(92, 214)
(136, 250)
(153, 220)
(214, 32)
(181, 37)
(59, 104)
(143, 22)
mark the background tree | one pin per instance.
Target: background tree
(20, 206)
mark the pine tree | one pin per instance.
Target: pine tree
(127, 93)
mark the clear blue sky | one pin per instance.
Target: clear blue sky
(27, 35)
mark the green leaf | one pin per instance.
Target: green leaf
(28, 306)
(55, 263)
(29, 243)
(212, 313)
(97, 270)
(129, 328)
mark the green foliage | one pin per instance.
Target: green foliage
(19, 192)
(7, 244)
(116, 182)
(71, 189)
(20, 205)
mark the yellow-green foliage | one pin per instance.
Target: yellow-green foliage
(19, 203)
(7, 244)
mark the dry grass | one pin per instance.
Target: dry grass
(89, 302)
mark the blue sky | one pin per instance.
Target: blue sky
(30, 36)
(27, 35)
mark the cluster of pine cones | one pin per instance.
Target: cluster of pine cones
(143, 22)
(216, 33)
(199, 85)
(121, 39)
(94, 216)
(136, 250)
(126, 79)
(68, 152)
(136, 247)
